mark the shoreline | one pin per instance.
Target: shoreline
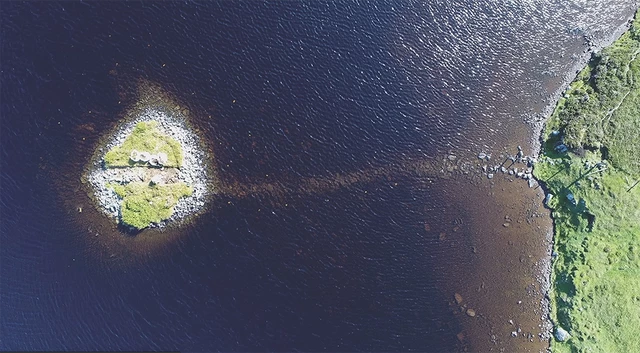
(537, 146)
(566, 206)
(485, 168)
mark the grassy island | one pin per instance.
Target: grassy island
(591, 165)
(145, 165)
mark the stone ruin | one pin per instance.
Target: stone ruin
(156, 160)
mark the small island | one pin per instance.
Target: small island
(590, 167)
(151, 172)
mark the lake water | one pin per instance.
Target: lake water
(322, 237)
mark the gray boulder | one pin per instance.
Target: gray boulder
(562, 334)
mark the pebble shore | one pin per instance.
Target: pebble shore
(193, 171)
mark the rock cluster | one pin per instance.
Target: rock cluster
(156, 160)
(518, 165)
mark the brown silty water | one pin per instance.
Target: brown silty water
(498, 293)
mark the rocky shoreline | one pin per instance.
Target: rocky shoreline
(193, 171)
(593, 45)
(582, 198)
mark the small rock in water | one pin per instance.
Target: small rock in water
(506, 225)
(514, 334)
(482, 155)
(490, 175)
(458, 298)
(562, 334)
(471, 312)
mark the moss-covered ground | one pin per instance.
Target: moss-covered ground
(143, 203)
(145, 137)
(596, 205)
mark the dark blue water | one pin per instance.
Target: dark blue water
(330, 272)
(282, 91)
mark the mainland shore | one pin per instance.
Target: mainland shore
(590, 170)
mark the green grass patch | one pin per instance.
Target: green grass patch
(600, 108)
(145, 137)
(596, 275)
(143, 204)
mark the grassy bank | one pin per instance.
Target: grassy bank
(591, 164)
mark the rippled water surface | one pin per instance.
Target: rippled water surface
(334, 227)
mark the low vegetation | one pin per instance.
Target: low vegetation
(145, 137)
(143, 203)
(591, 164)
